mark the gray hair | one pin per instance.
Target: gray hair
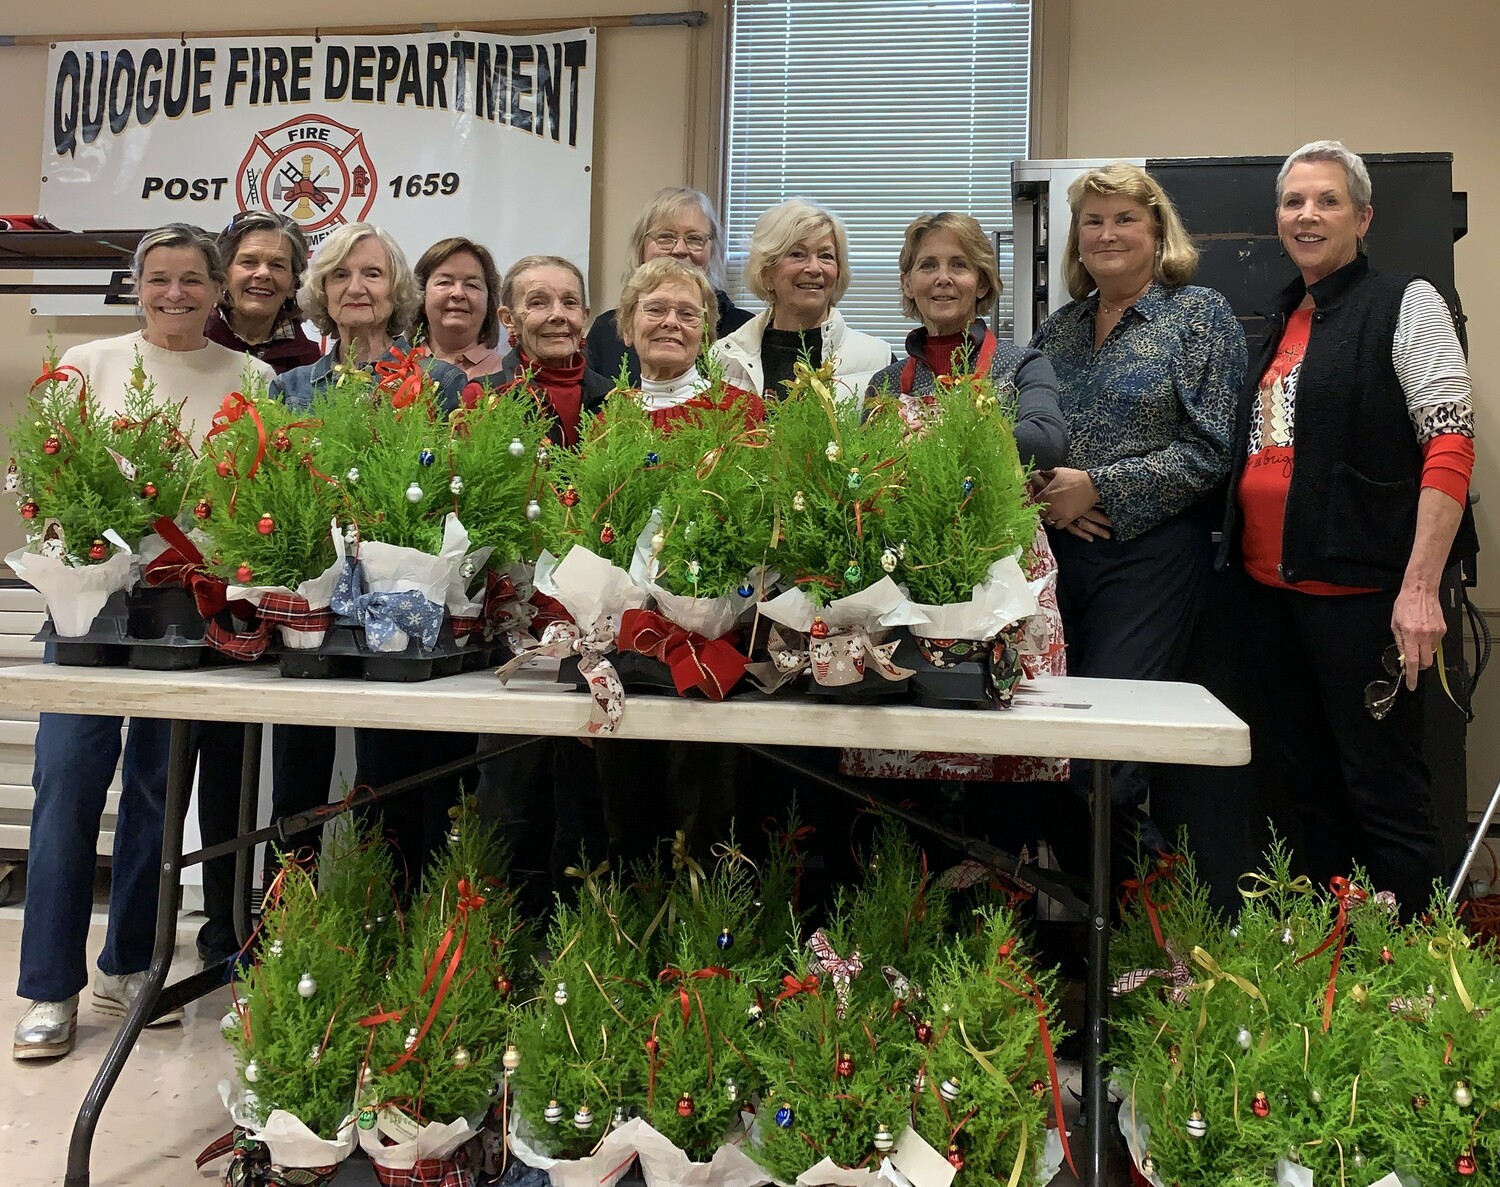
(247, 222)
(406, 297)
(179, 235)
(663, 205)
(1332, 150)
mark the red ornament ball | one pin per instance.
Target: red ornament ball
(819, 629)
(1260, 1106)
(266, 526)
(684, 1105)
(956, 1157)
(502, 986)
(202, 509)
(1385, 956)
(120, 424)
(244, 574)
(148, 491)
(1007, 948)
(569, 497)
(607, 536)
(97, 551)
(51, 445)
(1039, 1088)
(844, 1068)
(924, 1033)
(224, 469)
(1466, 1165)
(281, 442)
(652, 1047)
(28, 510)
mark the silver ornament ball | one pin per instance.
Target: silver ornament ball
(1245, 1038)
(583, 1119)
(456, 485)
(252, 1072)
(533, 511)
(560, 994)
(307, 987)
(885, 1141)
(413, 493)
(461, 1057)
(516, 448)
(1197, 1128)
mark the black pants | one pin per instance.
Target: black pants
(416, 822)
(1358, 788)
(545, 800)
(1128, 609)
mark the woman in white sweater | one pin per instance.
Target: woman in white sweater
(178, 278)
(799, 266)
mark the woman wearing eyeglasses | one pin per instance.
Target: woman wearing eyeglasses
(1348, 501)
(679, 223)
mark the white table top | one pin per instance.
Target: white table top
(1053, 716)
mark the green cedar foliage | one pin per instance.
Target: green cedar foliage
(582, 1040)
(616, 482)
(496, 486)
(844, 475)
(287, 483)
(80, 485)
(306, 1051)
(357, 874)
(717, 508)
(465, 933)
(964, 504)
(986, 999)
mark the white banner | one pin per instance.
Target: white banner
(428, 135)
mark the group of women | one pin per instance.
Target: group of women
(1132, 407)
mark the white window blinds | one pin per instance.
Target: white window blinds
(880, 110)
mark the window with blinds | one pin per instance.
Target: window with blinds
(880, 110)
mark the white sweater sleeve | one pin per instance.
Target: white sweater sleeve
(1430, 365)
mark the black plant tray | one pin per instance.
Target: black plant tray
(642, 674)
(344, 654)
(156, 630)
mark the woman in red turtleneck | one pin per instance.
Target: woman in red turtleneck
(542, 306)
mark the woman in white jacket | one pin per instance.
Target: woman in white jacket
(799, 266)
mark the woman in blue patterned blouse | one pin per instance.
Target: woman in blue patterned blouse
(1149, 368)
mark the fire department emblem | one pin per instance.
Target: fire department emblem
(313, 169)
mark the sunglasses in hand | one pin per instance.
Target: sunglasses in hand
(1380, 695)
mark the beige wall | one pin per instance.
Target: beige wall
(1175, 78)
(656, 110)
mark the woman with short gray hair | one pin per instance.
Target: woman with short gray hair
(265, 257)
(1348, 500)
(178, 278)
(362, 292)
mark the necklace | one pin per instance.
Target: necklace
(1127, 303)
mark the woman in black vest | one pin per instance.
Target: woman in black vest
(1353, 451)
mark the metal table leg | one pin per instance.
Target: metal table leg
(1096, 999)
(146, 1006)
(249, 808)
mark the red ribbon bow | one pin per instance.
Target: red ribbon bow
(402, 380)
(234, 406)
(808, 984)
(182, 564)
(1345, 893)
(1165, 869)
(51, 374)
(455, 938)
(713, 666)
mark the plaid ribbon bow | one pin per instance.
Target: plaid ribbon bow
(424, 1172)
(384, 615)
(1179, 977)
(841, 970)
(563, 639)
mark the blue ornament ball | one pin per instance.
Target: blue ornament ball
(653, 458)
(968, 487)
(745, 591)
(725, 940)
(785, 1117)
(426, 457)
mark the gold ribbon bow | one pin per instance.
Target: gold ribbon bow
(1301, 884)
(1215, 974)
(590, 880)
(1441, 948)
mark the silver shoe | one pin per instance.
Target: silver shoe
(113, 995)
(46, 1030)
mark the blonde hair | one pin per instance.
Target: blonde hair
(406, 297)
(1176, 257)
(650, 276)
(971, 238)
(526, 264)
(659, 211)
(780, 229)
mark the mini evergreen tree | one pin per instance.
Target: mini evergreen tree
(835, 482)
(964, 503)
(91, 470)
(296, 1027)
(496, 474)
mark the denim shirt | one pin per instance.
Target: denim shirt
(297, 387)
(1151, 412)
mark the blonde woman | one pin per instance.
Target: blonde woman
(680, 223)
(799, 266)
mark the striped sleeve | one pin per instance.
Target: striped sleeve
(1430, 365)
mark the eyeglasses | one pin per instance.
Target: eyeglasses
(1380, 695)
(667, 240)
(687, 315)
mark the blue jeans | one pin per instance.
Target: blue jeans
(75, 762)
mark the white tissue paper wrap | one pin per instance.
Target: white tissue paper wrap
(389, 568)
(881, 605)
(290, 1142)
(662, 1163)
(589, 587)
(432, 1141)
(1002, 598)
(76, 595)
